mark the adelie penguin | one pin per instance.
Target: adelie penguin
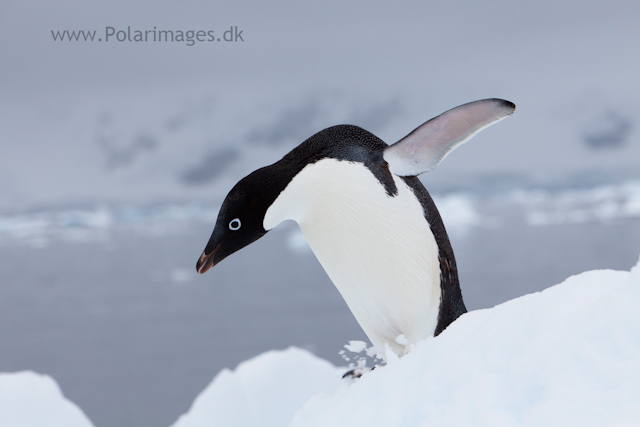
(368, 219)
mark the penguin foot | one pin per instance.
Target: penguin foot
(357, 372)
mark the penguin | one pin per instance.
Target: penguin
(367, 218)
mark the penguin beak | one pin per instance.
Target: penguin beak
(206, 260)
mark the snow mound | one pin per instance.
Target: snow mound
(34, 400)
(264, 391)
(569, 355)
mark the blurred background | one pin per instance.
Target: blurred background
(115, 157)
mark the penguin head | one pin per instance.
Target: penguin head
(240, 220)
(242, 215)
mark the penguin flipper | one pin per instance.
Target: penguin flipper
(424, 148)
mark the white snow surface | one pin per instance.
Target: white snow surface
(28, 399)
(264, 391)
(569, 355)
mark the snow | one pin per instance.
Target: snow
(569, 355)
(33, 400)
(263, 391)
(356, 346)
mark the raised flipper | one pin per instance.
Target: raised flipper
(424, 148)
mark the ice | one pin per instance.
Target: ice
(33, 400)
(356, 346)
(458, 211)
(635, 274)
(97, 223)
(569, 355)
(264, 391)
(573, 206)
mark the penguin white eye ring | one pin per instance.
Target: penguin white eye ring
(368, 219)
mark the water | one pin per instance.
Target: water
(132, 334)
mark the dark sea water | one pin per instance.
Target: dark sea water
(132, 334)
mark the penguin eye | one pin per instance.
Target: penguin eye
(234, 225)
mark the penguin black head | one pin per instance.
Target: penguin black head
(240, 220)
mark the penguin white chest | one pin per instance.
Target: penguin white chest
(378, 250)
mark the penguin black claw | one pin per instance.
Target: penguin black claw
(356, 373)
(352, 374)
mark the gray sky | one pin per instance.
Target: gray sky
(125, 121)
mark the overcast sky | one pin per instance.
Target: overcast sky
(85, 121)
